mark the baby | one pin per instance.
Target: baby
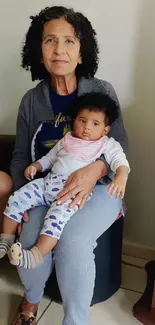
(93, 115)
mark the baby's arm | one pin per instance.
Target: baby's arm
(43, 164)
(117, 160)
(118, 185)
(32, 169)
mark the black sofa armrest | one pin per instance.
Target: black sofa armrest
(7, 143)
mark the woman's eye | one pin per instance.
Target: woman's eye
(50, 40)
(69, 41)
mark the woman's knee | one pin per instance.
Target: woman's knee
(75, 246)
(6, 185)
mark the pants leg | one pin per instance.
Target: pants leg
(34, 280)
(74, 257)
(53, 185)
(56, 218)
(31, 194)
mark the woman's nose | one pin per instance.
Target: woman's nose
(59, 48)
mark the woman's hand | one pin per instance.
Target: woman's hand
(81, 183)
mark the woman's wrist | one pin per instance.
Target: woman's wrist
(100, 169)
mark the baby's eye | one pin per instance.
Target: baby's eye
(95, 123)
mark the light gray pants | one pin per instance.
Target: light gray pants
(39, 192)
(73, 255)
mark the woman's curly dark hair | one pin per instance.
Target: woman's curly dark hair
(31, 52)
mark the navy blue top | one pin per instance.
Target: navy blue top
(51, 133)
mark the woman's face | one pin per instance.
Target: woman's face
(60, 48)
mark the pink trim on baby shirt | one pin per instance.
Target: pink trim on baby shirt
(83, 149)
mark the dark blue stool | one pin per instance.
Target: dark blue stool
(108, 255)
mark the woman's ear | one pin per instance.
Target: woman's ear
(80, 59)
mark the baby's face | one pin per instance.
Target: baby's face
(90, 125)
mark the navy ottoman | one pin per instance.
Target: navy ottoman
(108, 255)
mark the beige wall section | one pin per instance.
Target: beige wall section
(127, 44)
(140, 122)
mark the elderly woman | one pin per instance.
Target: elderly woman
(61, 50)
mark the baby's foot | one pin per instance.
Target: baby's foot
(27, 259)
(16, 251)
(6, 240)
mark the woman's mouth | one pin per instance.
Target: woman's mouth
(59, 61)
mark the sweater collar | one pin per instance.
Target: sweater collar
(42, 100)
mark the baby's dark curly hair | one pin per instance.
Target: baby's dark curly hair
(31, 53)
(96, 102)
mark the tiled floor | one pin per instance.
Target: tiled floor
(115, 311)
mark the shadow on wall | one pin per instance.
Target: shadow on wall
(140, 123)
(14, 84)
(10, 76)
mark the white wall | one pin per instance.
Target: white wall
(140, 122)
(126, 37)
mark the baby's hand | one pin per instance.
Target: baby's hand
(30, 172)
(117, 187)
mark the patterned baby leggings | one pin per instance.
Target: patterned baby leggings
(42, 191)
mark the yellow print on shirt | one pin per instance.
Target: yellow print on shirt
(66, 129)
(51, 143)
(61, 118)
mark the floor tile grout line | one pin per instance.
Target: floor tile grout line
(133, 265)
(142, 258)
(44, 311)
(136, 291)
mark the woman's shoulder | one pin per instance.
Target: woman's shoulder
(34, 97)
(97, 85)
(109, 89)
(35, 91)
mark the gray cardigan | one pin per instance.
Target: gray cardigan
(35, 108)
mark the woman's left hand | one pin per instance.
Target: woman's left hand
(81, 183)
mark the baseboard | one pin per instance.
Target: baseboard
(136, 250)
